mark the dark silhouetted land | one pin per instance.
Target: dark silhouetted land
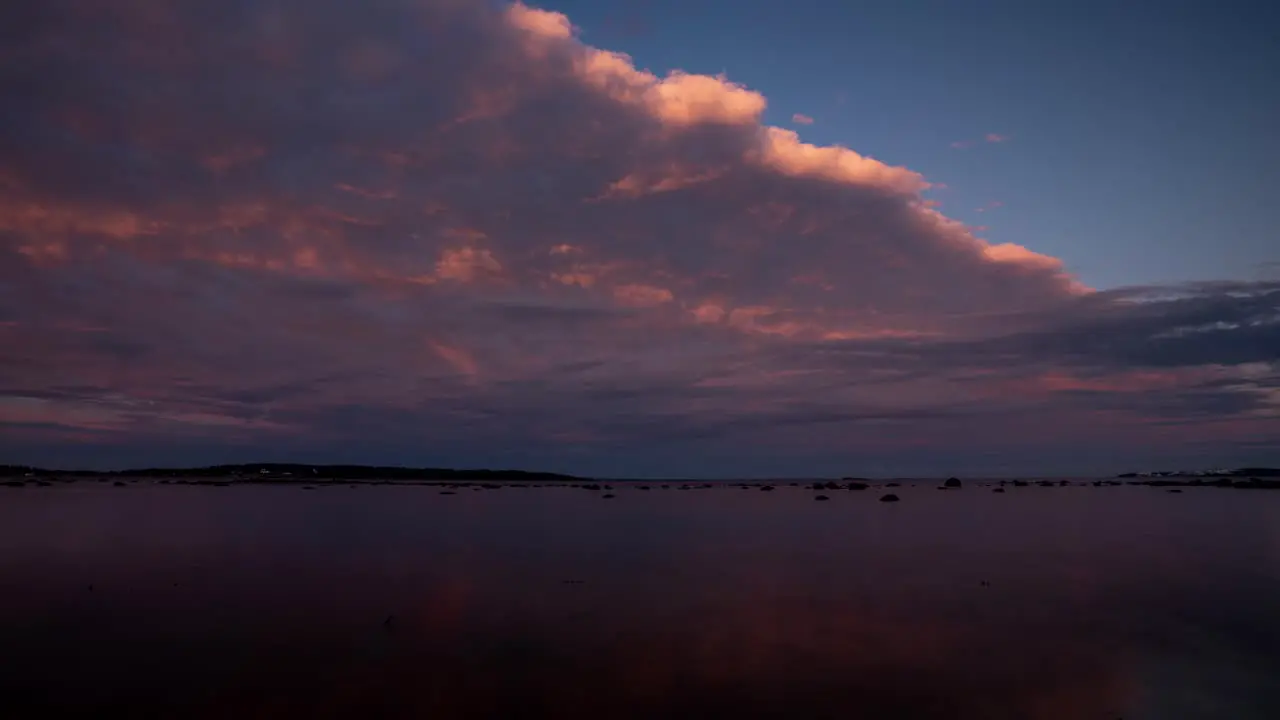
(292, 472)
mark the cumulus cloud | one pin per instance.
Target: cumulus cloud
(458, 233)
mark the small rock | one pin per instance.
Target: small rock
(952, 483)
(821, 497)
(889, 498)
(607, 496)
(999, 490)
(766, 488)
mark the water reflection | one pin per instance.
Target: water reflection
(398, 602)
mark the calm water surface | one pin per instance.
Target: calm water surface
(397, 601)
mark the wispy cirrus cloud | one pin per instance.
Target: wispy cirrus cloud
(989, 138)
(801, 119)
(458, 234)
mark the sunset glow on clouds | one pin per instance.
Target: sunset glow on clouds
(437, 233)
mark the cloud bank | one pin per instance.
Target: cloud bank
(439, 231)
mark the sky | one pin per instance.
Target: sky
(647, 239)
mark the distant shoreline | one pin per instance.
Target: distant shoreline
(292, 472)
(302, 474)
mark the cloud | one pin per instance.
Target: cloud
(988, 138)
(458, 234)
(800, 119)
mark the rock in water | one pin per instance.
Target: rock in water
(889, 498)
(952, 483)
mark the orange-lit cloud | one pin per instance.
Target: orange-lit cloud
(584, 247)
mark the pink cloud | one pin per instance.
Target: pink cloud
(481, 211)
(457, 358)
(995, 138)
(801, 119)
(636, 295)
